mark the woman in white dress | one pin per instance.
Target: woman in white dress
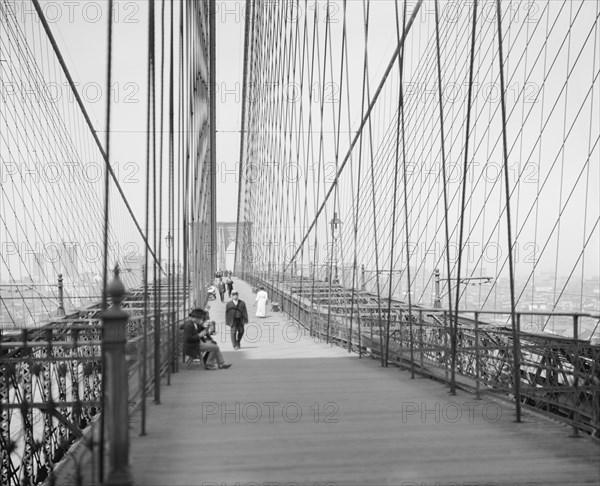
(261, 302)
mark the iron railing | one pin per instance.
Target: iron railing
(51, 393)
(557, 375)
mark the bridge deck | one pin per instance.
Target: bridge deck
(308, 413)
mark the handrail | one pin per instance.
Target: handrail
(560, 375)
(31, 362)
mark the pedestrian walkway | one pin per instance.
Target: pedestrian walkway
(295, 411)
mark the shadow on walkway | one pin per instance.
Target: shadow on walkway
(295, 411)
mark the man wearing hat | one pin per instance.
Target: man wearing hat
(236, 316)
(196, 340)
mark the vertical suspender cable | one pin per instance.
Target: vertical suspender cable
(86, 116)
(213, 128)
(399, 133)
(357, 208)
(454, 319)
(106, 222)
(406, 223)
(149, 80)
(183, 152)
(587, 185)
(321, 151)
(362, 124)
(562, 153)
(176, 219)
(377, 271)
(242, 139)
(160, 199)
(107, 148)
(443, 148)
(156, 333)
(515, 331)
(171, 246)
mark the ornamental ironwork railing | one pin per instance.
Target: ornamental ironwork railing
(552, 374)
(51, 394)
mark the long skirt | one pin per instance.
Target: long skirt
(261, 308)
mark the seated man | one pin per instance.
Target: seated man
(196, 340)
(212, 292)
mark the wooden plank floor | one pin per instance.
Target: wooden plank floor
(295, 411)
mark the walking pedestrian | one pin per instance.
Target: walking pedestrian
(236, 316)
(229, 284)
(221, 289)
(261, 302)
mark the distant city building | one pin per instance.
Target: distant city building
(69, 260)
(38, 267)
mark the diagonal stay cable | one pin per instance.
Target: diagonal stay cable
(511, 265)
(38, 8)
(361, 126)
(106, 174)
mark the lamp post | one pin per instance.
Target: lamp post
(437, 303)
(336, 225)
(376, 273)
(169, 241)
(60, 303)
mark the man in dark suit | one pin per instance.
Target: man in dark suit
(236, 316)
(221, 288)
(196, 340)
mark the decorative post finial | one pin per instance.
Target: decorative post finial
(61, 298)
(437, 303)
(363, 283)
(116, 289)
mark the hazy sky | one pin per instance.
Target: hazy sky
(81, 31)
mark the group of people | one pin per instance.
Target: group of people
(262, 298)
(198, 329)
(221, 287)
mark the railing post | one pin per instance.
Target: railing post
(477, 370)
(575, 433)
(595, 397)
(453, 345)
(411, 343)
(517, 368)
(422, 366)
(445, 348)
(116, 385)
(363, 285)
(141, 360)
(437, 304)
(61, 300)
